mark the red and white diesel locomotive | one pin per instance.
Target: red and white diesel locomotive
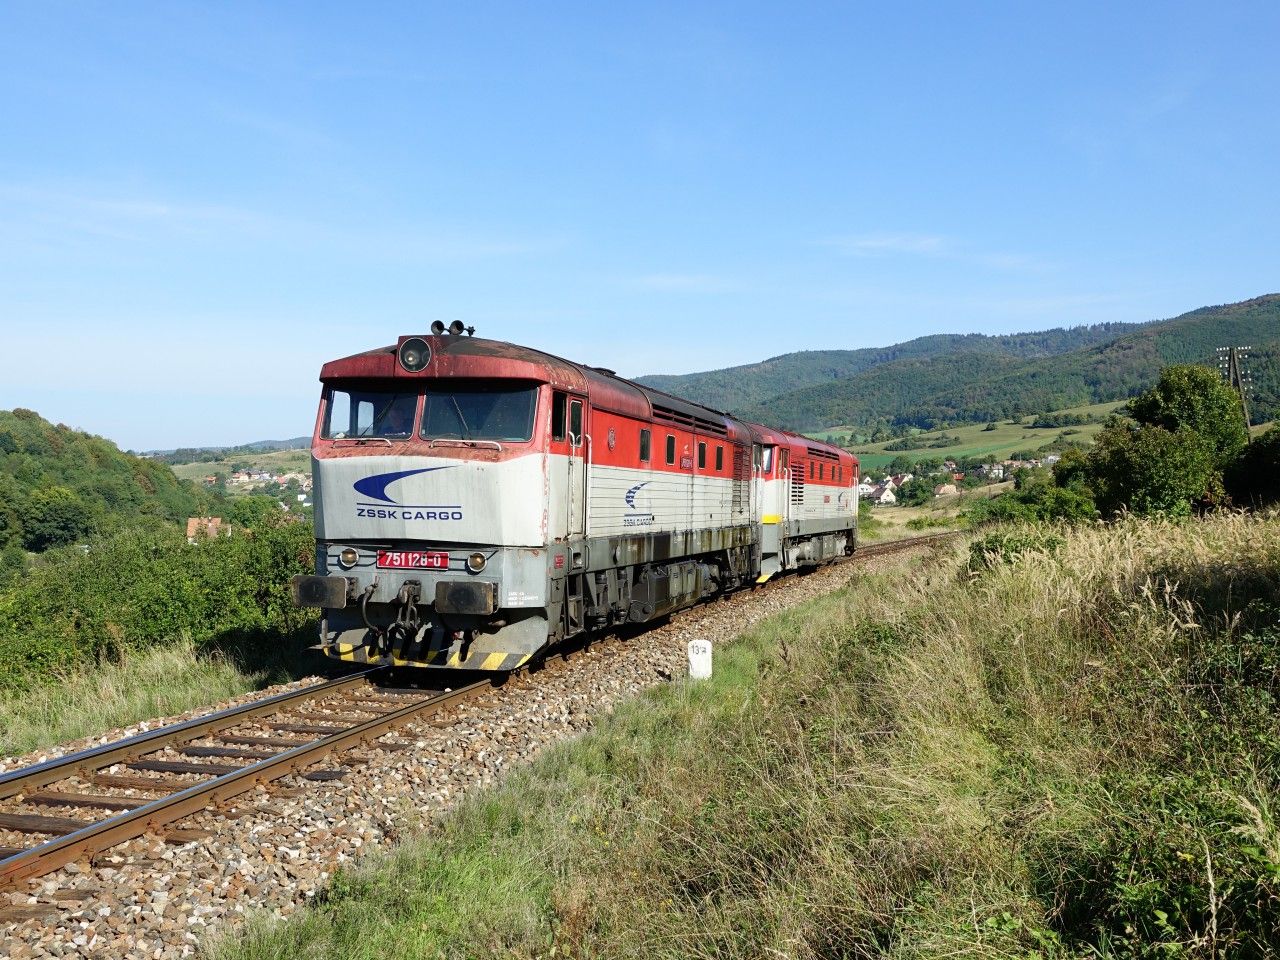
(477, 501)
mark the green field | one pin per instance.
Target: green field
(276, 461)
(976, 440)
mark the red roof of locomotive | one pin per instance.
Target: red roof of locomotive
(458, 356)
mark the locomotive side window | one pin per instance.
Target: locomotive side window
(719, 458)
(671, 448)
(575, 422)
(702, 455)
(767, 466)
(822, 470)
(351, 414)
(559, 405)
(645, 442)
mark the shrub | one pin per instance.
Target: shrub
(1007, 546)
(137, 590)
(1148, 469)
(1254, 478)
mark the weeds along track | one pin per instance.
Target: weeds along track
(75, 807)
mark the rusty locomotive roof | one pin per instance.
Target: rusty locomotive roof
(459, 356)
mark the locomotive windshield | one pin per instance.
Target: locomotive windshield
(369, 412)
(494, 410)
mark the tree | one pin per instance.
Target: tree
(915, 492)
(900, 464)
(1148, 469)
(55, 516)
(1195, 399)
(1253, 479)
(252, 511)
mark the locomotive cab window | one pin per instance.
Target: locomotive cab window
(719, 458)
(645, 442)
(702, 455)
(767, 466)
(559, 407)
(494, 410)
(575, 422)
(352, 413)
(671, 448)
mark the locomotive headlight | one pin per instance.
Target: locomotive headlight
(348, 557)
(476, 562)
(414, 354)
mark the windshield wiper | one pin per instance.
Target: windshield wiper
(466, 429)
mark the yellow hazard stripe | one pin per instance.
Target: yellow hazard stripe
(441, 657)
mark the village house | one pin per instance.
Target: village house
(883, 494)
(198, 527)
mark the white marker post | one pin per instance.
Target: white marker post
(699, 659)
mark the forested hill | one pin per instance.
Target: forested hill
(59, 485)
(929, 390)
(736, 388)
(210, 454)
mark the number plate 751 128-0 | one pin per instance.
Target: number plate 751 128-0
(413, 559)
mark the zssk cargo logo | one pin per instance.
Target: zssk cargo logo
(638, 519)
(378, 505)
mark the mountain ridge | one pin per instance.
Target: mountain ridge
(967, 388)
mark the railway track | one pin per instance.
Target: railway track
(79, 805)
(907, 543)
(139, 785)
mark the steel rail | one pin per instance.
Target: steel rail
(43, 774)
(152, 815)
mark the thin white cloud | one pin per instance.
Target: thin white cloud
(49, 218)
(875, 243)
(927, 245)
(684, 283)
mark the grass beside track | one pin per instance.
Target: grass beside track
(143, 685)
(1065, 744)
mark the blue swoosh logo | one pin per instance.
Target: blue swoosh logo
(631, 494)
(375, 487)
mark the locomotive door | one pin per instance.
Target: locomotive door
(753, 488)
(783, 486)
(578, 441)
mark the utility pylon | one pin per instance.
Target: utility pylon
(1231, 361)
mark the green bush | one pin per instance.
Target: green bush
(1254, 478)
(1007, 546)
(136, 590)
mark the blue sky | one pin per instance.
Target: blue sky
(201, 203)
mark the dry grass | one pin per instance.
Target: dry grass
(961, 757)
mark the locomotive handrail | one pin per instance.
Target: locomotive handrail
(450, 440)
(586, 486)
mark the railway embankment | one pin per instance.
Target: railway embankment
(274, 850)
(1063, 743)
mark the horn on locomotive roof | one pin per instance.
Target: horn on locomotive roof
(456, 328)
